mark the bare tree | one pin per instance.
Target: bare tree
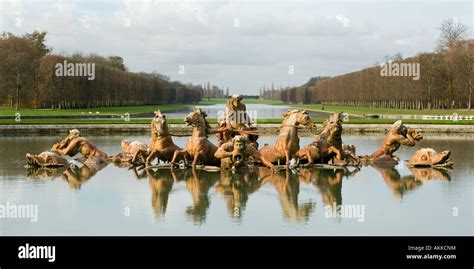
(452, 35)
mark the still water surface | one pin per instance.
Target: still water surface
(118, 201)
(255, 111)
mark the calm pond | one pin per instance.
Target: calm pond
(255, 111)
(118, 201)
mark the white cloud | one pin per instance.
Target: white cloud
(271, 35)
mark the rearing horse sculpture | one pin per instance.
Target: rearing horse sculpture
(288, 143)
(328, 145)
(198, 147)
(161, 142)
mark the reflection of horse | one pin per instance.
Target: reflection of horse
(328, 182)
(161, 142)
(288, 187)
(161, 183)
(198, 147)
(235, 187)
(198, 184)
(287, 145)
(327, 145)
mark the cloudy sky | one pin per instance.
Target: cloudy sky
(238, 44)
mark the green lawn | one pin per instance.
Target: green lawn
(105, 121)
(169, 107)
(370, 110)
(7, 111)
(211, 120)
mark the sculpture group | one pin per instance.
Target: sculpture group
(238, 147)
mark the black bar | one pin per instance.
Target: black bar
(240, 250)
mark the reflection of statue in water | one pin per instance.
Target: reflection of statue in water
(75, 176)
(329, 184)
(428, 173)
(44, 173)
(236, 187)
(74, 143)
(398, 184)
(401, 185)
(161, 183)
(198, 184)
(236, 121)
(288, 187)
(236, 153)
(398, 135)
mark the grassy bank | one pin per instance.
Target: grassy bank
(7, 111)
(212, 121)
(371, 110)
(104, 121)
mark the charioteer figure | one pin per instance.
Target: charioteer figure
(398, 135)
(74, 143)
(236, 121)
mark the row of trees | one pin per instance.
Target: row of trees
(445, 80)
(213, 91)
(271, 93)
(28, 78)
(304, 94)
(19, 61)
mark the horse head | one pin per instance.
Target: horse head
(197, 118)
(296, 117)
(333, 128)
(159, 125)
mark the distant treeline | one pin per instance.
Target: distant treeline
(28, 78)
(445, 80)
(304, 94)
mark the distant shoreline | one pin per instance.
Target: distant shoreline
(182, 129)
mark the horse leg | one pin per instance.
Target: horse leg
(353, 159)
(196, 158)
(135, 157)
(175, 156)
(287, 155)
(151, 157)
(306, 154)
(338, 159)
(309, 157)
